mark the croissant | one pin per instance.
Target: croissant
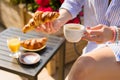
(32, 44)
(38, 19)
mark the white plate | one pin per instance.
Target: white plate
(34, 49)
(29, 58)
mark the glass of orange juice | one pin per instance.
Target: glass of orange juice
(14, 46)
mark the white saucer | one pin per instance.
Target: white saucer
(29, 58)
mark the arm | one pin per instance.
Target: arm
(73, 6)
(102, 33)
(54, 26)
(68, 10)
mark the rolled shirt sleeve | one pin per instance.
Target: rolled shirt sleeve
(73, 6)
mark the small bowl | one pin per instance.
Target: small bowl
(29, 58)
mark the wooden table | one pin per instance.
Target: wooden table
(12, 65)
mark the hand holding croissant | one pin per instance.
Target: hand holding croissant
(38, 19)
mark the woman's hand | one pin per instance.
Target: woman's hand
(49, 27)
(53, 27)
(99, 34)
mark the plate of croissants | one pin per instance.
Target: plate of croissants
(34, 44)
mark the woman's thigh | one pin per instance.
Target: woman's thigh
(104, 65)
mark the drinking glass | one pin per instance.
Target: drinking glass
(14, 46)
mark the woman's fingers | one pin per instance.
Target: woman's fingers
(95, 32)
(53, 30)
(99, 34)
(46, 28)
(100, 26)
(94, 38)
(94, 35)
(40, 29)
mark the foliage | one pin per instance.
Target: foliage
(31, 5)
(44, 5)
(55, 4)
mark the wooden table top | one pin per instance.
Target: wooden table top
(12, 65)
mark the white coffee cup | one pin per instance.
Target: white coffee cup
(73, 32)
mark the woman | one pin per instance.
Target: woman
(99, 61)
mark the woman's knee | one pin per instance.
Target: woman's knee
(81, 68)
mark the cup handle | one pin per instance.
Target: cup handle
(84, 30)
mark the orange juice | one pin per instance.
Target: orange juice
(14, 44)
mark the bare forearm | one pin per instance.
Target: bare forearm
(65, 16)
